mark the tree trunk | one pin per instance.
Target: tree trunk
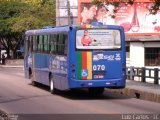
(8, 53)
(14, 54)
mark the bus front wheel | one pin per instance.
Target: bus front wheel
(96, 91)
(31, 77)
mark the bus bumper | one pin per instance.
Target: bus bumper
(113, 83)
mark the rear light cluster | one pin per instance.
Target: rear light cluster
(73, 71)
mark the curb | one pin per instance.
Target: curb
(138, 94)
(9, 66)
(3, 115)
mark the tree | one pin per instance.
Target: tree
(155, 7)
(17, 17)
(9, 10)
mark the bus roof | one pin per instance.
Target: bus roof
(48, 30)
(58, 29)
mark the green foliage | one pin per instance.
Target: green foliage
(35, 17)
(96, 2)
(17, 16)
(26, 22)
(154, 9)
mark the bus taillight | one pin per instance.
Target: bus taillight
(73, 71)
(72, 66)
(74, 76)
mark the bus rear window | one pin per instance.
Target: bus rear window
(98, 39)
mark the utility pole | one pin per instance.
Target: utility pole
(58, 13)
(69, 14)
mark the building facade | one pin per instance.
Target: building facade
(63, 8)
(143, 51)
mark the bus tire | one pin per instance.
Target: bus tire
(96, 91)
(53, 90)
(31, 77)
(33, 82)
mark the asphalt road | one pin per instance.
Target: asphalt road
(18, 96)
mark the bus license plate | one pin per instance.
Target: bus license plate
(98, 76)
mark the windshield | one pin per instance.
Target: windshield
(98, 39)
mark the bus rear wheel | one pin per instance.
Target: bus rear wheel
(31, 77)
(33, 82)
(96, 91)
(53, 90)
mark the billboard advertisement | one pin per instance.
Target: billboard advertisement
(98, 39)
(135, 18)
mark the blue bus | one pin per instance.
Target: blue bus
(78, 56)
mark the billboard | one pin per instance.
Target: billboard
(135, 18)
(98, 39)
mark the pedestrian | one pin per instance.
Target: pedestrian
(3, 59)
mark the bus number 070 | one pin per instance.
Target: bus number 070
(99, 67)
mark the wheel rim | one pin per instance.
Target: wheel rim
(51, 85)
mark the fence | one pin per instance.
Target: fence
(143, 73)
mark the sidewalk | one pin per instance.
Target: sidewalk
(20, 66)
(13, 63)
(139, 90)
(135, 89)
(11, 66)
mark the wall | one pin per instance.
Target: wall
(137, 54)
(137, 57)
(152, 44)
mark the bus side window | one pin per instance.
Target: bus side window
(30, 45)
(46, 43)
(26, 45)
(40, 43)
(37, 40)
(56, 45)
(66, 44)
(34, 43)
(53, 43)
(61, 44)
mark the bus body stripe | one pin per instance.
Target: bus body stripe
(79, 65)
(89, 65)
(84, 63)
